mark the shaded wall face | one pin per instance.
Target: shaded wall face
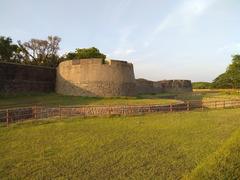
(144, 86)
(89, 77)
(176, 85)
(23, 78)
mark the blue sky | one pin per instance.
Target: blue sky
(165, 39)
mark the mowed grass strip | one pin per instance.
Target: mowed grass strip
(223, 164)
(167, 145)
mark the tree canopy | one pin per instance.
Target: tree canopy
(9, 52)
(231, 78)
(34, 51)
(85, 53)
(41, 52)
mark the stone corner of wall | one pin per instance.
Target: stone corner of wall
(119, 62)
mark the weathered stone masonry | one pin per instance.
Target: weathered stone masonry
(84, 77)
(26, 78)
(144, 86)
(92, 77)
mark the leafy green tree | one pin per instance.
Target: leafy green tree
(85, 53)
(231, 78)
(9, 52)
(71, 55)
(222, 81)
(41, 52)
(233, 71)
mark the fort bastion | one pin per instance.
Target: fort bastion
(92, 77)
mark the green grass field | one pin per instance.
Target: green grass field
(198, 94)
(53, 99)
(154, 146)
(223, 164)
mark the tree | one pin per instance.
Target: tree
(222, 81)
(231, 78)
(9, 52)
(71, 55)
(85, 53)
(41, 52)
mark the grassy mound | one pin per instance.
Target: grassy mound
(223, 164)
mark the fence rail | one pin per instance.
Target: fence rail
(12, 115)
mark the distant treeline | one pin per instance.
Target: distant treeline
(202, 85)
(43, 52)
(229, 79)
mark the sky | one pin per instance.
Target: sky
(164, 39)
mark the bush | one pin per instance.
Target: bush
(86, 53)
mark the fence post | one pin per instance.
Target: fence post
(7, 117)
(188, 106)
(41, 112)
(171, 108)
(60, 112)
(35, 112)
(109, 110)
(202, 105)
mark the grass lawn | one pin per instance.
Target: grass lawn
(154, 146)
(223, 164)
(204, 95)
(53, 99)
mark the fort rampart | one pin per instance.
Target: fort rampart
(144, 86)
(25, 78)
(84, 77)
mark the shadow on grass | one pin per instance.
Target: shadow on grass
(49, 99)
(183, 96)
(53, 99)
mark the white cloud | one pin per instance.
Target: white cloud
(124, 47)
(231, 48)
(123, 52)
(196, 7)
(183, 16)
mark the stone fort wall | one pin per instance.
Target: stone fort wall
(92, 77)
(144, 86)
(25, 78)
(85, 77)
